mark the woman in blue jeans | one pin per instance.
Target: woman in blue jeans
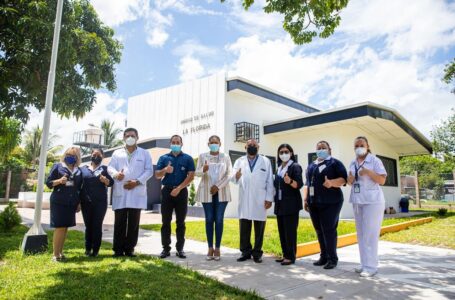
(213, 192)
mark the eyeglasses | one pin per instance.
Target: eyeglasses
(284, 152)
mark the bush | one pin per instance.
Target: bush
(442, 211)
(9, 218)
(192, 196)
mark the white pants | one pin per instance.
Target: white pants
(368, 220)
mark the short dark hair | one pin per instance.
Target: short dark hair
(324, 142)
(361, 137)
(131, 129)
(98, 149)
(215, 137)
(174, 136)
(278, 159)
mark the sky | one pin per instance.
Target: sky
(390, 52)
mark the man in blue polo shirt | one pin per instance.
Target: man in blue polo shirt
(176, 169)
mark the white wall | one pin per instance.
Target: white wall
(160, 113)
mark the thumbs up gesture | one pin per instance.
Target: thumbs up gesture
(327, 183)
(120, 175)
(206, 167)
(287, 179)
(104, 179)
(64, 179)
(238, 174)
(169, 168)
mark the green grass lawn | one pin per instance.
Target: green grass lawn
(105, 277)
(439, 233)
(196, 230)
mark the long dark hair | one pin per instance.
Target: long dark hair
(278, 159)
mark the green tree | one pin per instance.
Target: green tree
(111, 134)
(449, 74)
(10, 136)
(305, 19)
(32, 146)
(87, 56)
(443, 137)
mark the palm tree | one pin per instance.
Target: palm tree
(111, 139)
(32, 145)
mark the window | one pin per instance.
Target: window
(237, 154)
(390, 166)
(245, 131)
(311, 157)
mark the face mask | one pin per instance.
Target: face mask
(70, 160)
(97, 159)
(176, 148)
(285, 157)
(361, 151)
(252, 150)
(214, 147)
(322, 153)
(130, 141)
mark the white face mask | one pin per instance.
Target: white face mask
(285, 157)
(130, 141)
(361, 151)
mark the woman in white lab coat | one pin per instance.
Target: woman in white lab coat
(366, 174)
(253, 174)
(213, 192)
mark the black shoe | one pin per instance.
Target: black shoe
(88, 253)
(257, 260)
(287, 263)
(320, 262)
(330, 265)
(165, 254)
(130, 254)
(94, 254)
(118, 254)
(280, 260)
(244, 258)
(180, 254)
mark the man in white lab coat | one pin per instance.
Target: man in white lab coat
(130, 167)
(253, 174)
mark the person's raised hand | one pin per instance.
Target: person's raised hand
(120, 175)
(238, 174)
(206, 167)
(287, 179)
(169, 168)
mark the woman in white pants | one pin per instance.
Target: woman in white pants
(366, 174)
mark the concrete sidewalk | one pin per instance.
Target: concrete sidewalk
(406, 271)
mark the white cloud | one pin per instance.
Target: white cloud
(106, 107)
(114, 13)
(184, 7)
(193, 47)
(190, 68)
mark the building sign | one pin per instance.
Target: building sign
(205, 125)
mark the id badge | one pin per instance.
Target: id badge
(279, 194)
(356, 188)
(312, 191)
(98, 172)
(69, 183)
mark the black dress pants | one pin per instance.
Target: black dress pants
(93, 213)
(245, 237)
(325, 219)
(168, 205)
(126, 229)
(287, 228)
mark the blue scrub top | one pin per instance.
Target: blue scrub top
(333, 169)
(63, 194)
(182, 163)
(93, 190)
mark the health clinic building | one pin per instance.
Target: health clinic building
(237, 109)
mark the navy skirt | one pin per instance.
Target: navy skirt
(62, 215)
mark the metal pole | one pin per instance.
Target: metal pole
(37, 229)
(416, 175)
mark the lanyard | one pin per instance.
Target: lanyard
(357, 169)
(252, 164)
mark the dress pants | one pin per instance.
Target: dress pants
(168, 205)
(93, 213)
(368, 220)
(287, 228)
(126, 229)
(245, 237)
(324, 217)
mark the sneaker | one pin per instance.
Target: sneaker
(367, 274)
(358, 270)
(56, 259)
(165, 254)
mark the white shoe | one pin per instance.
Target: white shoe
(367, 274)
(358, 269)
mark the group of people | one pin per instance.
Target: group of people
(85, 188)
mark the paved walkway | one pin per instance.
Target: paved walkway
(406, 272)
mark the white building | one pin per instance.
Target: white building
(236, 109)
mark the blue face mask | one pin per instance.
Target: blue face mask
(70, 160)
(214, 147)
(176, 148)
(322, 153)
